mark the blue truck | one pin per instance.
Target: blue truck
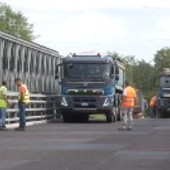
(90, 84)
(163, 105)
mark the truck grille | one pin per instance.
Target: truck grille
(85, 92)
(81, 102)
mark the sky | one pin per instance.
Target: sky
(129, 27)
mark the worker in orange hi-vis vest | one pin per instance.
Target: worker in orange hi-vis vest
(153, 105)
(128, 103)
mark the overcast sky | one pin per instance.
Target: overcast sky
(129, 27)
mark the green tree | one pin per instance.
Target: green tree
(128, 61)
(15, 23)
(139, 73)
(162, 59)
(143, 76)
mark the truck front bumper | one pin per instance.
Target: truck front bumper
(86, 104)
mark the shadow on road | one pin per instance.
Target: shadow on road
(92, 119)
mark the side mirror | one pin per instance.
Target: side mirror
(117, 77)
(56, 73)
(56, 77)
(112, 72)
(115, 72)
(116, 69)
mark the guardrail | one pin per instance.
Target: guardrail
(43, 108)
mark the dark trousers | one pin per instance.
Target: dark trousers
(22, 114)
(3, 114)
(153, 112)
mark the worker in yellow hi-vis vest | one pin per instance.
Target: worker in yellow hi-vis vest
(3, 105)
(23, 102)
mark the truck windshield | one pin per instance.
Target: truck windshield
(165, 81)
(86, 71)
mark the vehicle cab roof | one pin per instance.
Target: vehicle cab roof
(88, 59)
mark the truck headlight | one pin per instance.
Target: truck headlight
(106, 102)
(64, 102)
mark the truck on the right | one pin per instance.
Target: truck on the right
(163, 104)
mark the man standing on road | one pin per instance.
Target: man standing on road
(23, 102)
(3, 105)
(128, 103)
(153, 105)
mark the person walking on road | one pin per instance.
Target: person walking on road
(23, 102)
(153, 106)
(3, 105)
(128, 103)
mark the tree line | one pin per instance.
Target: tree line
(144, 75)
(141, 74)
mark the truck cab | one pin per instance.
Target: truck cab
(90, 84)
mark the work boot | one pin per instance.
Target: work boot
(20, 129)
(129, 128)
(122, 128)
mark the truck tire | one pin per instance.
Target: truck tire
(66, 117)
(162, 114)
(110, 117)
(117, 107)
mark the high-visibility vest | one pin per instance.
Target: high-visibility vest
(26, 96)
(153, 101)
(3, 103)
(129, 100)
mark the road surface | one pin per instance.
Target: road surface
(91, 146)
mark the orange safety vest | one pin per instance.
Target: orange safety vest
(153, 101)
(129, 100)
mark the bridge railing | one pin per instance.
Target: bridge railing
(43, 108)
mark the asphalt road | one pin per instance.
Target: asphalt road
(92, 146)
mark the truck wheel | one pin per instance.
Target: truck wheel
(119, 116)
(110, 117)
(161, 114)
(66, 118)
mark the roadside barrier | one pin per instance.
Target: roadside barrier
(43, 108)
